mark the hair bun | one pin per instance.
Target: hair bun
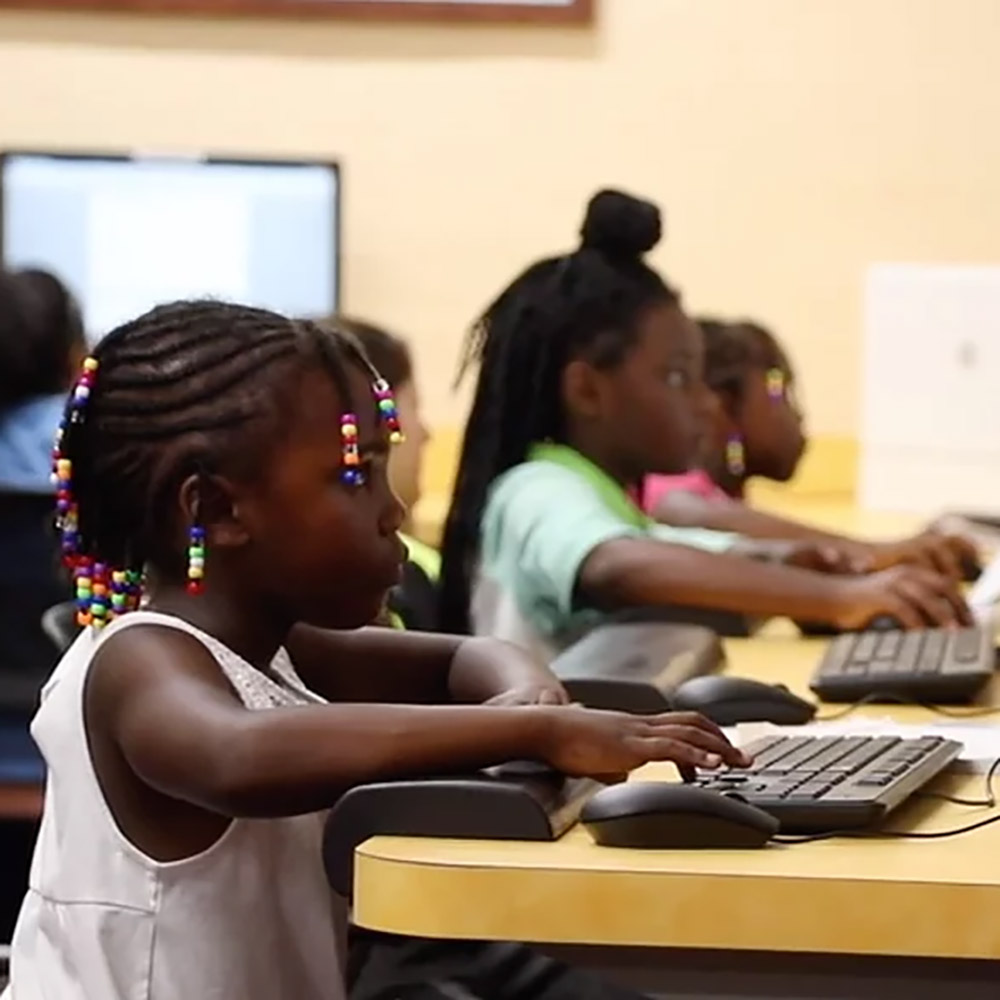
(621, 226)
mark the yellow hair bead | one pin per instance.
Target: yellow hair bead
(775, 383)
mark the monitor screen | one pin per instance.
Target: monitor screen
(127, 233)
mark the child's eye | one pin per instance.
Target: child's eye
(678, 379)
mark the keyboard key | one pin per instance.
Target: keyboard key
(776, 750)
(836, 657)
(874, 779)
(965, 645)
(931, 655)
(865, 648)
(888, 645)
(865, 752)
(907, 652)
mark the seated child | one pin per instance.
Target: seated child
(194, 744)
(590, 379)
(755, 428)
(412, 604)
(41, 346)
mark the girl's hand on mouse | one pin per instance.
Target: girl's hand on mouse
(914, 596)
(594, 744)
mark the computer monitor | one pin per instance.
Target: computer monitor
(128, 232)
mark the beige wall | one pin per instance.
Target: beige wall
(792, 141)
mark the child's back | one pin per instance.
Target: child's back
(103, 919)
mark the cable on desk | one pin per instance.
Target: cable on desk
(881, 698)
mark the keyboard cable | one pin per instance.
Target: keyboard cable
(888, 697)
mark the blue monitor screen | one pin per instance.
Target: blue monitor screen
(128, 233)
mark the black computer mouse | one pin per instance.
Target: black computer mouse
(884, 623)
(658, 814)
(970, 567)
(729, 700)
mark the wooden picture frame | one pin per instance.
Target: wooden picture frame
(566, 12)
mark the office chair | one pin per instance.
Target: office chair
(59, 625)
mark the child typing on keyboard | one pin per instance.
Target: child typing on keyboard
(224, 509)
(590, 379)
(754, 427)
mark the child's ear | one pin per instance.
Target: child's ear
(582, 389)
(211, 501)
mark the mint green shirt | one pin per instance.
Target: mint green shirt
(543, 518)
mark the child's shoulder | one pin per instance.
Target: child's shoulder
(535, 485)
(145, 642)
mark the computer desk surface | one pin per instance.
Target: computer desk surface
(936, 898)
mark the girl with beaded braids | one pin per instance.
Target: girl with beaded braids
(590, 379)
(231, 464)
(755, 427)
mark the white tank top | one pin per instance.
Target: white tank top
(251, 918)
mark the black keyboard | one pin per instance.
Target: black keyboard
(933, 665)
(818, 784)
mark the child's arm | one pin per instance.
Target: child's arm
(627, 572)
(157, 702)
(936, 550)
(688, 510)
(385, 665)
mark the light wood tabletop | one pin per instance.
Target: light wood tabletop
(859, 896)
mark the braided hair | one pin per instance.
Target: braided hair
(586, 305)
(732, 349)
(40, 328)
(387, 352)
(191, 388)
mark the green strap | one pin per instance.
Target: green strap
(611, 493)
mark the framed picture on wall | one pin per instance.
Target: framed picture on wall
(495, 11)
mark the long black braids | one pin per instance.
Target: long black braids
(190, 388)
(581, 305)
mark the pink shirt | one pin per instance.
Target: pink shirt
(695, 481)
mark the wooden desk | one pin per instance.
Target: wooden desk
(836, 918)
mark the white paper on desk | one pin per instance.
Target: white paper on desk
(981, 742)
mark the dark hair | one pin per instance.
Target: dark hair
(582, 305)
(187, 389)
(732, 349)
(387, 352)
(40, 326)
